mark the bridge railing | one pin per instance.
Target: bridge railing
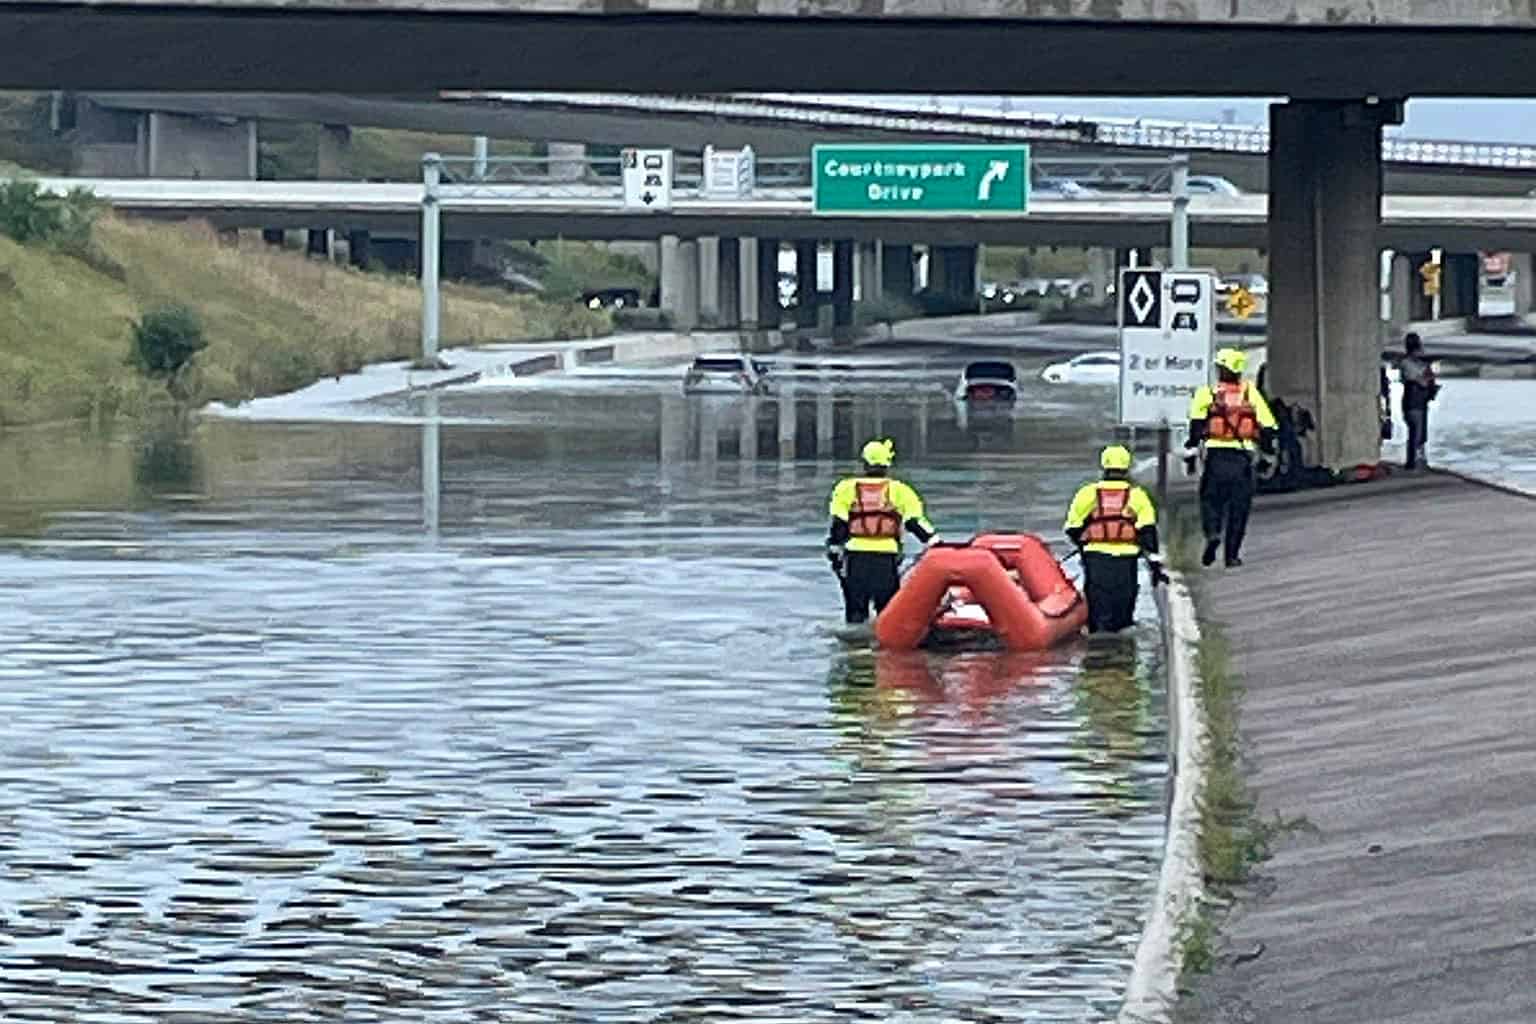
(584, 176)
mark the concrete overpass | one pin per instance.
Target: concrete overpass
(1298, 48)
(579, 211)
(773, 125)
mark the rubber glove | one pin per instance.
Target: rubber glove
(1158, 573)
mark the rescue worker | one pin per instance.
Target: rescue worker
(1233, 421)
(1113, 522)
(1419, 389)
(869, 512)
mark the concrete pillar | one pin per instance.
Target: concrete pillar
(896, 271)
(770, 315)
(842, 291)
(728, 286)
(709, 281)
(1403, 282)
(868, 276)
(680, 282)
(319, 242)
(1458, 284)
(746, 283)
(108, 143)
(359, 248)
(182, 146)
(807, 297)
(333, 150)
(1522, 266)
(953, 273)
(1101, 271)
(1324, 317)
(567, 161)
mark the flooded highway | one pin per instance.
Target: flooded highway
(538, 707)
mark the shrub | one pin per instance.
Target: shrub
(29, 214)
(164, 342)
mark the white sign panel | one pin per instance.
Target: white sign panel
(647, 178)
(729, 173)
(1167, 332)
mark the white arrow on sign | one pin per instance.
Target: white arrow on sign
(997, 171)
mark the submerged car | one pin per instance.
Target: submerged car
(725, 373)
(988, 380)
(1088, 368)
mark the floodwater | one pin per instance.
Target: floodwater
(1486, 427)
(542, 711)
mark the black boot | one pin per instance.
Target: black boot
(1208, 557)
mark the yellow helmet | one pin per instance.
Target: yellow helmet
(879, 452)
(1232, 359)
(1116, 456)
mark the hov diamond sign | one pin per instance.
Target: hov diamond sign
(878, 180)
(647, 178)
(1167, 332)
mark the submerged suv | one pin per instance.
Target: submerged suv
(988, 380)
(725, 373)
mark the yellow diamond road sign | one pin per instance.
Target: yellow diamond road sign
(1240, 303)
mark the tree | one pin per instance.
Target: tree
(165, 341)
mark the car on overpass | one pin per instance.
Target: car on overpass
(1060, 188)
(1210, 185)
(1088, 368)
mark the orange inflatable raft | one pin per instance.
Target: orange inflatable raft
(1001, 587)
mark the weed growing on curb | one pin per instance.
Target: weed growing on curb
(1233, 839)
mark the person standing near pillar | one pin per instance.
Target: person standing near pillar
(1233, 422)
(869, 512)
(1113, 522)
(1419, 389)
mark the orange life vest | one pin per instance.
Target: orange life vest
(1112, 521)
(1232, 416)
(872, 514)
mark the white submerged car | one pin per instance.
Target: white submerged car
(988, 380)
(725, 373)
(1088, 368)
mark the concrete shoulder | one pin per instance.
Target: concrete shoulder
(1383, 635)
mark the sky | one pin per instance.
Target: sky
(1448, 119)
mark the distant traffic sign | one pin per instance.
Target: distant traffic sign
(880, 181)
(647, 178)
(1240, 303)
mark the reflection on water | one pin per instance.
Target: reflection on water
(547, 720)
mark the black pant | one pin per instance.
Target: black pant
(871, 576)
(1112, 585)
(1226, 496)
(1418, 434)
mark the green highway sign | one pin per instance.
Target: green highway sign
(875, 180)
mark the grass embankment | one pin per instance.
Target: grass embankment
(275, 321)
(1233, 838)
